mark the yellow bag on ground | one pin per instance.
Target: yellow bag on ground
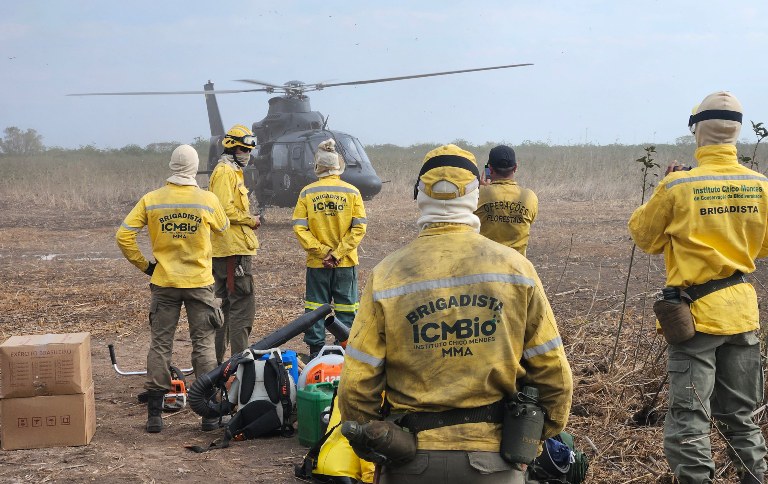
(337, 457)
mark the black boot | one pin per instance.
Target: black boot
(314, 350)
(155, 411)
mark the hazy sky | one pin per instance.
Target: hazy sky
(605, 71)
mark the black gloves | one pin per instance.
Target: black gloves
(150, 268)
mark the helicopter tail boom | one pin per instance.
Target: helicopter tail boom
(214, 116)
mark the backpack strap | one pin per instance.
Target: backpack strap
(284, 391)
(216, 444)
(222, 443)
(247, 382)
(304, 470)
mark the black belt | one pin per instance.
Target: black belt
(418, 421)
(698, 291)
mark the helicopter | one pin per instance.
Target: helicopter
(287, 137)
(283, 161)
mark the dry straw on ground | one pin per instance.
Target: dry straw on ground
(63, 273)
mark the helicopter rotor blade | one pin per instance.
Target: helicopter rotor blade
(320, 86)
(152, 93)
(260, 83)
(270, 88)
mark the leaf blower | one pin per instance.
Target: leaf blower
(202, 394)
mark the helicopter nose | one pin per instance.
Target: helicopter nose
(368, 184)
(371, 187)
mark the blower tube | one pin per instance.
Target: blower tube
(339, 330)
(298, 326)
(201, 396)
(202, 392)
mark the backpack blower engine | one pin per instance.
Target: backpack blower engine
(175, 399)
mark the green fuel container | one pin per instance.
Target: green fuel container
(312, 403)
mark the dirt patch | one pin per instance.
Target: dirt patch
(62, 272)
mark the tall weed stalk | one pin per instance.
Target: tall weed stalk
(648, 163)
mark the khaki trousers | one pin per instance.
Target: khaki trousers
(720, 376)
(453, 467)
(164, 313)
(239, 307)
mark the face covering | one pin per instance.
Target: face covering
(242, 158)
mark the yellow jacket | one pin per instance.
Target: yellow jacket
(506, 211)
(180, 220)
(454, 320)
(330, 216)
(227, 183)
(709, 222)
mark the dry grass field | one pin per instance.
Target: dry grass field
(62, 272)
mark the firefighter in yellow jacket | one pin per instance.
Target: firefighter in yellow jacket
(506, 210)
(710, 224)
(234, 252)
(329, 221)
(453, 321)
(180, 218)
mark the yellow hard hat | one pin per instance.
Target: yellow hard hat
(239, 135)
(448, 172)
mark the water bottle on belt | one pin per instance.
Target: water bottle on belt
(522, 427)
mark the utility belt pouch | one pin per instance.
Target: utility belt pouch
(393, 441)
(674, 314)
(216, 316)
(522, 427)
(381, 441)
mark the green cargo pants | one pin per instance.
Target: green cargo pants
(453, 467)
(164, 312)
(720, 376)
(323, 286)
(239, 306)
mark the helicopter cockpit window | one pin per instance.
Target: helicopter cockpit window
(363, 154)
(279, 156)
(309, 157)
(348, 150)
(346, 146)
(296, 156)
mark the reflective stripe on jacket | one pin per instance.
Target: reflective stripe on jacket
(506, 211)
(454, 320)
(709, 222)
(228, 185)
(330, 216)
(180, 220)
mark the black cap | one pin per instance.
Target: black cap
(502, 157)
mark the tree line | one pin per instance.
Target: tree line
(18, 142)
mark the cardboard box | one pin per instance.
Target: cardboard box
(50, 421)
(46, 364)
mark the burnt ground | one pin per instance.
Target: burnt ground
(62, 272)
